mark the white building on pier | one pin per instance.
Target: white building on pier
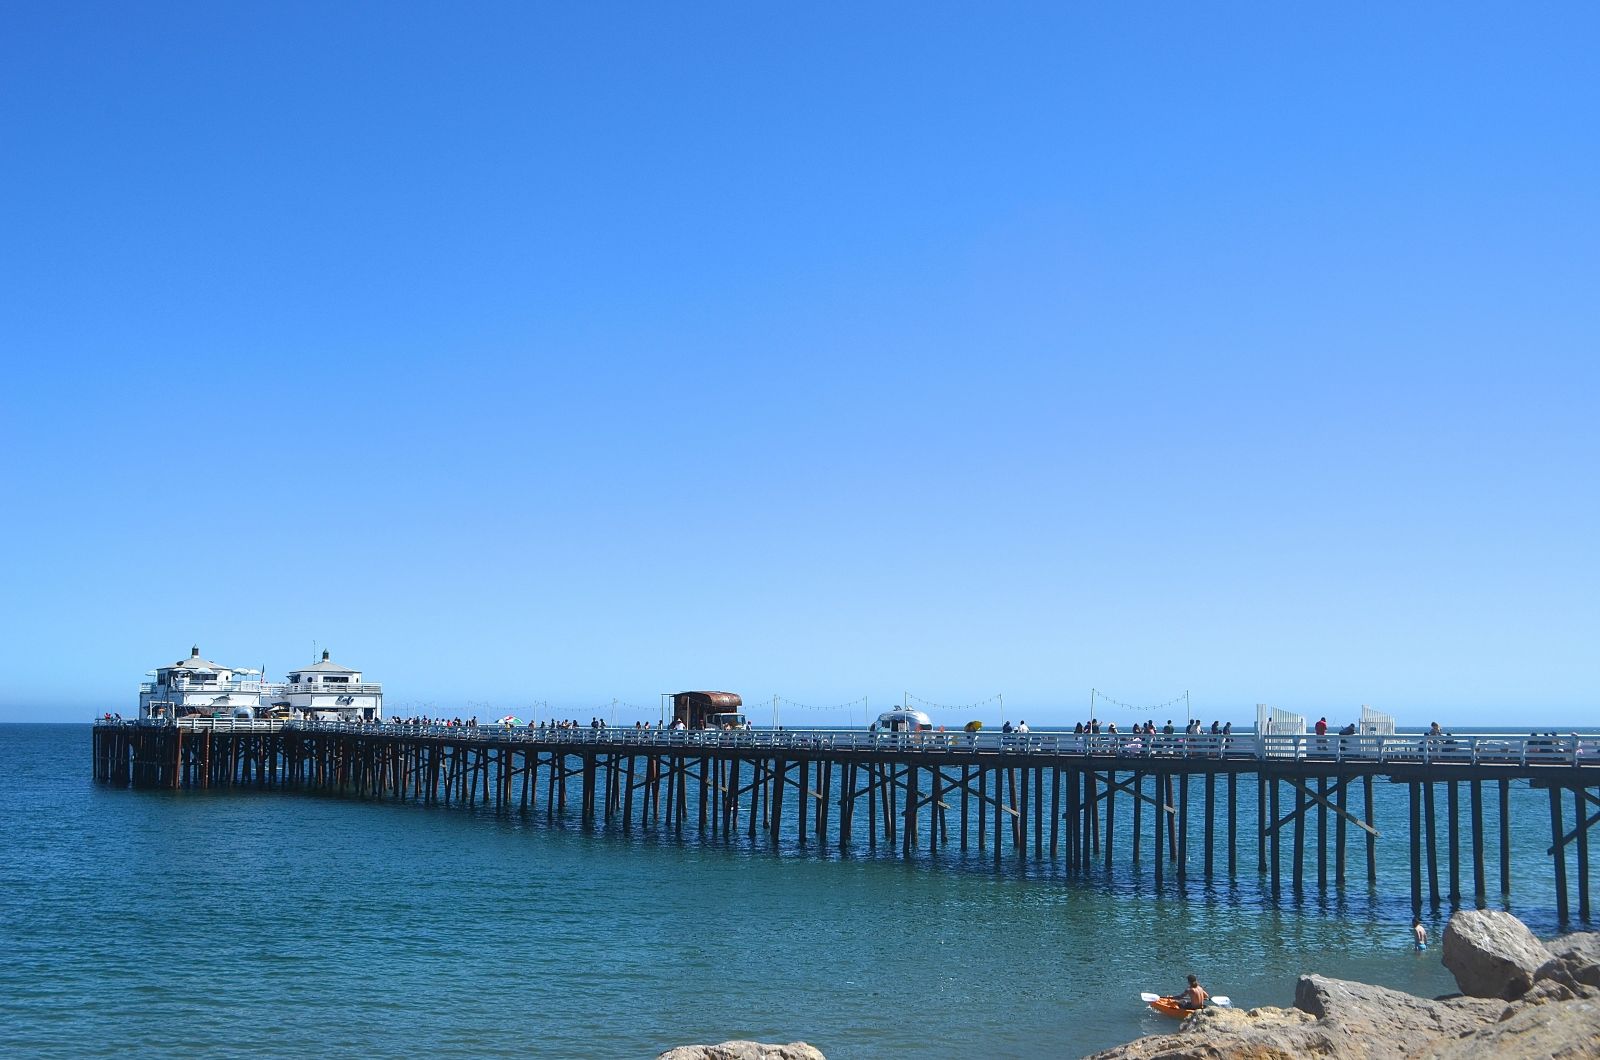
(326, 691)
(196, 686)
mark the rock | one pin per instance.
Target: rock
(1554, 1009)
(1546, 991)
(1396, 1019)
(1567, 1030)
(741, 1050)
(1216, 1033)
(1575, 960)
(1331, 1017)
(1584, 945)
(1492, 953)
(1571, 972)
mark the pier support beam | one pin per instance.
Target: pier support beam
(1452, 811)
(1558, 848)
(1416, 848)
(1433, 850)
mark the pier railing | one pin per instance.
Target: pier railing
(1479, 749)
(149, 687)
(332, 688)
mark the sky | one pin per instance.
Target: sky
(567, 353)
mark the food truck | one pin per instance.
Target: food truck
(708, 710)
(902, 719)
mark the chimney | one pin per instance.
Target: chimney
(324, 654)
(194, 652)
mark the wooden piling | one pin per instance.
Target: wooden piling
(1433, 849)
(1479, 890)
(1452, 811)
(1233, 825)
(1505, 837)
(1210, 813)
(1558, 849)
(1183, 828)
(1416, 848)
(1299, 836)
(1371, 832)
(1055, 811)
(1322, 833)
(1261, 823)
(1157, 812)
(966, 783)
(1580, 802)
(1272, 826)
(1111, 815)
(1138, 809)
(1038, 811)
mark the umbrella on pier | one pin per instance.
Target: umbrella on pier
(510, 720)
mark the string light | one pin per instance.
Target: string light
(785, 700)
(1096, 695)
(962, 706)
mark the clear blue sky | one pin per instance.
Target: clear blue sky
(567, 352)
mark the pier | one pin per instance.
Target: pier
(1170, 803)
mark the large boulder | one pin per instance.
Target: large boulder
(1492, 953)
(742, 1050)
(1393, 1022)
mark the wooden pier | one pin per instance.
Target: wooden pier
(1074, 800)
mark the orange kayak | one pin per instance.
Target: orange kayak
(1168, 1007)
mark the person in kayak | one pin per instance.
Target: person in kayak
(1194, 997)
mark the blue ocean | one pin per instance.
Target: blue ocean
(225, 924)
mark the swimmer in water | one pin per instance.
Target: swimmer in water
(1419, 933)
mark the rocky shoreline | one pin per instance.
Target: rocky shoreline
(1519, 998)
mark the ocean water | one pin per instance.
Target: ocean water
(237, 923)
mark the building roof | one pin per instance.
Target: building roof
(716, 699)
(194, 662)
(324, 667)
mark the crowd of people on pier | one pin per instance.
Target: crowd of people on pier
(1143, 736)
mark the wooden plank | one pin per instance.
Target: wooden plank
(1312, 798)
